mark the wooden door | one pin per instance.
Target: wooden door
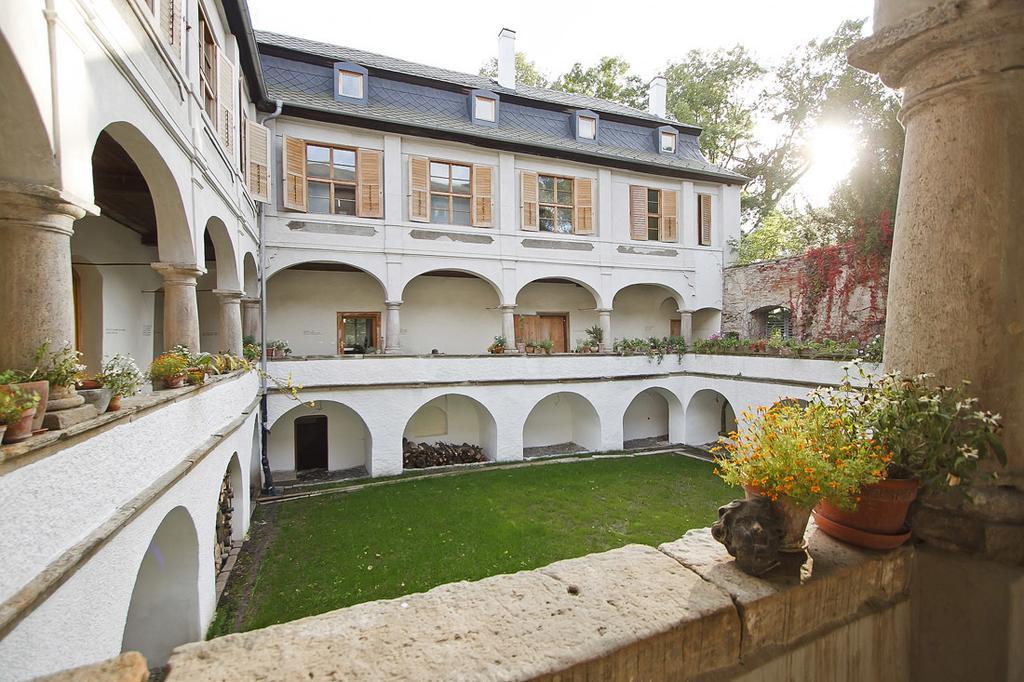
(358, 332)
(311, 442)
(675, 328)
(551, 326)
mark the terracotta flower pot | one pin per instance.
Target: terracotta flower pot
(521, 347)
(794, 519)
(42, 388)
(21, 429)
(115, 404)
(174, 382)
(879, 521)
(89, 384)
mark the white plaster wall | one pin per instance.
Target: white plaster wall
(456, 315)
(646, 417)
(563, 418)
(643, 311)
(542, 297)
(348, 441)
(303, 307)
(453, 419)
(706, 323)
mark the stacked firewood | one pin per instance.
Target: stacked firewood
(423, 455)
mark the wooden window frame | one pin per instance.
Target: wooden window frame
(579, 126)
(342, 72)
(450, 194)
(571, 206)
(375, 316)
(494, 108)
(330, 181)
(659, 215)
(668, 135)
(207, 66)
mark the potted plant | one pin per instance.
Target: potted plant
(122, 376)
(29, 381)
(933, 436)
(278, 349)
(61, 369)
(545, 346)
(530, 346)
(797, 456)
(17, 407)
(595, 337)
(168, 369)
(587, 346)
(498, 347)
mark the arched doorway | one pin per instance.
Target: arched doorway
(555, 309)
(561, 423)
(325, 437)
(164, 609)
(456, 419)
(450, 311)
(706, 323)
(652, 418)
(708, 416)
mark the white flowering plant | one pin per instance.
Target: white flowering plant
(936, 433)
(121, 375)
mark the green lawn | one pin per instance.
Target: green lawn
(335, 550)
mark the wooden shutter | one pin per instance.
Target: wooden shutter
(369, 183)
(583, 203)
(170, 24)
(638, 212)
(257, 161)
(419, 189)
(531, 209)
(226, 102)
(483, 201)
(669, 215)
(293, 158)
(704, 219)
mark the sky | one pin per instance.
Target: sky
(462, 35)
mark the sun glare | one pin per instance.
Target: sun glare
(833, 150)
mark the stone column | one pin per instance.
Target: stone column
(956, 303)
(508, 326)
(230, 329)
(251, 318)
(686, 326)
(181, 313)
(604, 319)
(392, 340)
(36, 299)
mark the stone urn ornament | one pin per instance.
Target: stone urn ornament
(751, 532)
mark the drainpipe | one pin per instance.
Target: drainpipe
(268, 478)
(51, 38)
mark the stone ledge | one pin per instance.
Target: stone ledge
(631, 613)
(128, 667)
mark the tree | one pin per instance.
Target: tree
(609, 79)
(780, 234)
(526, 71)
(711, 90)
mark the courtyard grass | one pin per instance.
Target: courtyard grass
(316, 554)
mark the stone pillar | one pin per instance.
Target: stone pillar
(956, 303)
(181, 313)
(604, 319)
(36, 299)
(392, 340)
(686, 326)
(508, 326)
(230, 329)
(251, 318)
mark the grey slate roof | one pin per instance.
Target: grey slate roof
(310, 86)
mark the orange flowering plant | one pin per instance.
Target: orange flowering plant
(804, 453)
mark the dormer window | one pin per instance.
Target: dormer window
(585, 126)
(668, 143)
(666, 140)
(350, 82)
(483, 107)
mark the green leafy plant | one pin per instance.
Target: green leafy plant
(61, 367)
(595, 334)
(251, 352)
(498, 346)
(169, 365)
(872, 350)
(249, 339)
(15, 403)
(653, 347)
(545, 345)
(121, 375)
(280, 347)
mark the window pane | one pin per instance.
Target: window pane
(344, 164)
(546, 183)
(439, 177)
(319, 197)
(485, 108)
(653, 225)
(351, 84)
(345, 199)
(460, 211)
(564, 192)
(547, 218)
(438, 209)
(564, 220)
(318, 160)
(668, 142)
(588, 127)
(653, 198)
(460, 173)
(460, 186)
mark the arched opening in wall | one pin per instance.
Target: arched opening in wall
(708, 416)
(706, 323)
(555, 309)
(250, 302)
(221, 279)
(446, 421)
(561, 423)
(326, 308)
(230, 525)
(250, 276)
(652, 419)
(645, 310)
(771, 320)
(164, 609)
(449, 311)
(325, 439)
